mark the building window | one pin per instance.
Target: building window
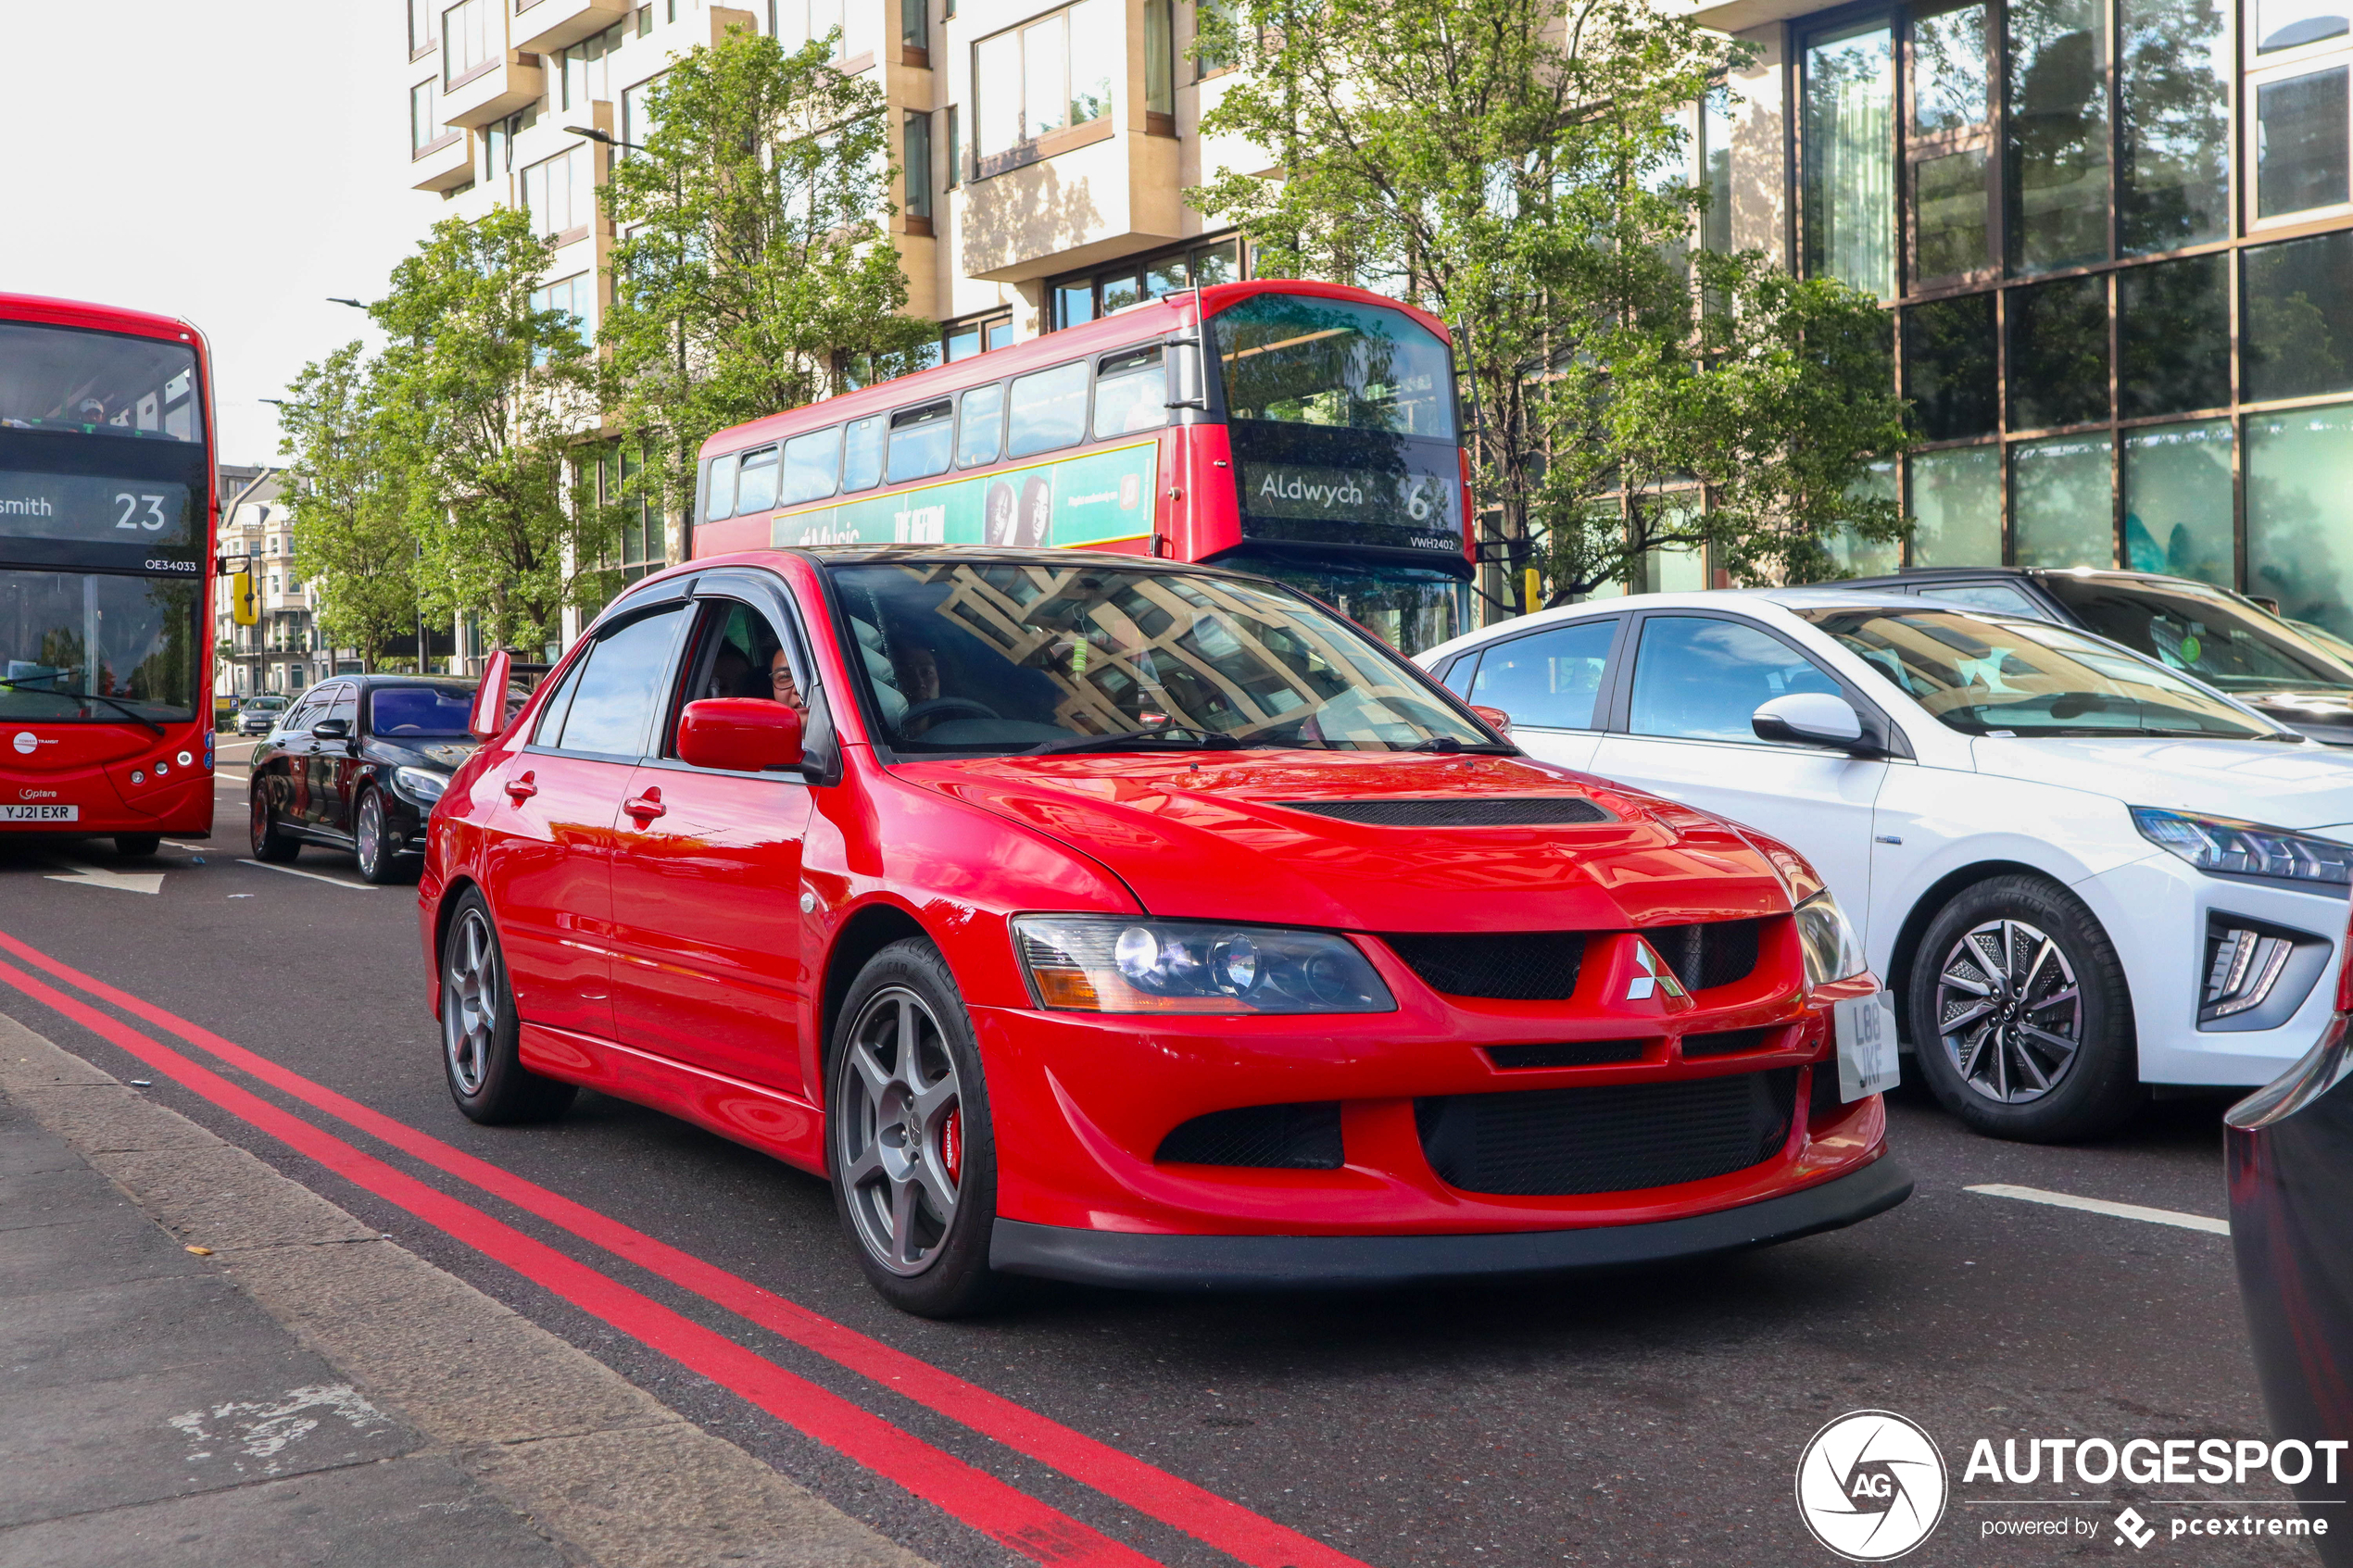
(2173, 337)
(420, 28)
(637, 124)
(1950, 367)
(2300, 139)
(1957, 506)
(962, 340)
(798, 23)
(1138, 279)
(914, 24)
(2173, 133)
(1948, 143)
(954, 150)
(466, 28)
(1208, 58)
(576, 297)
(1849, 141)
(2058, 354)
(425, 129)
(1160, 56)
(2298, 326)
(1716, 169)
(587, 68)
(917, 129)
(2300, 469)
(621, 482)
(558, 193)
(2177, 501)
(2056, 146)
(1051, 75)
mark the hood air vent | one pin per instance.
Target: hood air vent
(1469, 812)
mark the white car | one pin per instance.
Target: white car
(2079, 873)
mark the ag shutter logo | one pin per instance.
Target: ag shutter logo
(1870, 1486)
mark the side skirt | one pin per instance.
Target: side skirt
(781, 1125)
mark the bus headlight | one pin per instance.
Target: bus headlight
(1111, 964)
(1828, 943)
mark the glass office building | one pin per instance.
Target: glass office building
(2117, 239)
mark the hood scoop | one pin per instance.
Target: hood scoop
(1459, 812)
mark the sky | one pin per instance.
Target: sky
(247, 159)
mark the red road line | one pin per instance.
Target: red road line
(1216, 1520)
(1008, 1516)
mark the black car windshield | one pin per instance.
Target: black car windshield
(1987, 677)
(2185, 626)
(418, 712)
(995, 655)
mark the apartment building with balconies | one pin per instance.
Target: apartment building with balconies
(284, 651)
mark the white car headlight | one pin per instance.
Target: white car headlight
(420, 785)
(2225, 847)
(1828, 943)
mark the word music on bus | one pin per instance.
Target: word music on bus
(106, 528)
(1305, 431)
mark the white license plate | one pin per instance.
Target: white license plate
(40, 813)
(1866, 1062)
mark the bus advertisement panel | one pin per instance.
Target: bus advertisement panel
(105, 547)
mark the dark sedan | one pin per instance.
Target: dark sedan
(356, 765)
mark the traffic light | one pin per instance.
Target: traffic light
(245, 598)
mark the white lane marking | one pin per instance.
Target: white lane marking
(102, 876)
(330, 880)
(2102, 1206)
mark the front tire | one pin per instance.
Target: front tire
(2021, 1017)
(372, 842)
(270, 842)
(480, 1033)
(907, 1138)
(134, 846)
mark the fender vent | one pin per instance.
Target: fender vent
(1559, 1143)
(1301, 1137)
(1460, 813)
(1510, 966)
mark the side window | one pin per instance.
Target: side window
(736, 656)
(1050, 410)
(297, 717)
(621, 689)
(1702, 679)
(1458, 676)
(1985, 596)
(862, 454)
(1550, 680)
(549, 725)
(345, 706)
(719, 494)
(755, 488)
(812, 463)
(978, 432)
(1131, 392)
(921, 440)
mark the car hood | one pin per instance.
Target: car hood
(439, 753)
(1219, 836)
(2269, 782)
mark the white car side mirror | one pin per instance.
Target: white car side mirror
(1808, 718)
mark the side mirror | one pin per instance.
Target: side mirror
(488, 719)
(332, 729)
(1810, 719)
(742, 735)
(1494, 718)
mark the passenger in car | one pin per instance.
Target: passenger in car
(780, 682)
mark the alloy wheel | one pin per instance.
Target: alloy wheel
(260, 822)
(2008, 1011)
(899, 1144)
(469, 1001)
(372, 833)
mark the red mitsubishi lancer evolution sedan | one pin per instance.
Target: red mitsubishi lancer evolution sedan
(1107, 919)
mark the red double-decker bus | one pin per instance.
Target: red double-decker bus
(1301, 429)
(105, 551)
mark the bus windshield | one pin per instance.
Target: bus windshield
(98, 646)
(996, 657)
(1299, 360)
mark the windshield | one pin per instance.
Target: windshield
(2030, 678)
(1296, 359)
(419, 711)
(97, 383)
(2215, 637)
(1408, 607)
(991, 656)
(85, 645)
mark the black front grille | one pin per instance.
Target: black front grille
(1465, 813)
(1512, 966)
(1716, 953)
(1554, 1143)
(1729, 1042)
(1566, 1053)
(1303, 1136)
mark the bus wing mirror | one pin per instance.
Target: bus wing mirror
(1187, 387)
(489, 716)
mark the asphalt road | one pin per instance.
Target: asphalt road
(1654, 1417)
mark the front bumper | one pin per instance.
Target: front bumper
(1296, 1263)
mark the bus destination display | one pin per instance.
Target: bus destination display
(145, 514)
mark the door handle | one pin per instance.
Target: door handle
(520, 789)
(646, 807)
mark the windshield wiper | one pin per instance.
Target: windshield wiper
(1122, 740)
(34, 683)
(1449, 745)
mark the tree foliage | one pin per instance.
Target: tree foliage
(755, 264)
(1516, 168)
(351, 539)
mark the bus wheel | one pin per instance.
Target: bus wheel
(132, 845)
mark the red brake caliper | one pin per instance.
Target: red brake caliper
(952, 1144)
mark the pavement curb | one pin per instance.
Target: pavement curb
(614, 1477)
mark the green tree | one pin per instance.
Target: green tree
(485, 401)
(1514, 166)
(351, 538)
(756, 271)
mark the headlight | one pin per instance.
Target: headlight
(2226, 847)
(1832, 951)
(420, 785)
(1097, 963)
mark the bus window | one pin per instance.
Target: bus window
(1131, 392)
(1050, 410)
(810, 462)
(755, 488)
(921, 440)
(983, 424)
(862, 454)
(719, 494)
